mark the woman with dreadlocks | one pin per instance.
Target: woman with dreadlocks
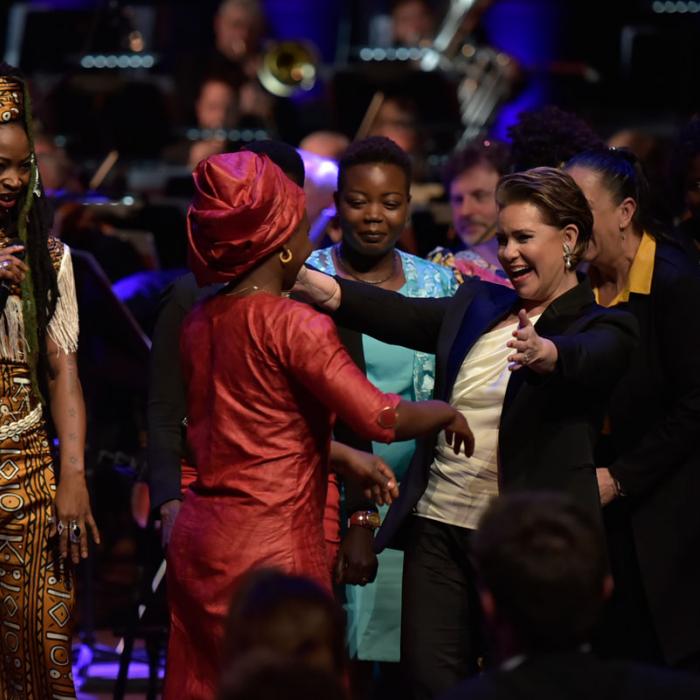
(43, 521)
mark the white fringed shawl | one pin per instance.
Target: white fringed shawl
(63, 327)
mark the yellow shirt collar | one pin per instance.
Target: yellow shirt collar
(641, 272)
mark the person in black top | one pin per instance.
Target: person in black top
(539, 433)
(543, 579)
(649, 459)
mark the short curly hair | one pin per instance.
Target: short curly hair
(557, 197)
(549, 137)
(375, 149)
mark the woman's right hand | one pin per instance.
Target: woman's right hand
(12, 268)
(317, 288)
(458, 434)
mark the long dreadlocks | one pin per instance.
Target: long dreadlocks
(31, 225)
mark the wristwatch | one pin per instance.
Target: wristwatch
(369, 519)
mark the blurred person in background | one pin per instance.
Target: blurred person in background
(686, 179)
(412, 22)
(284, 639)
(215, 109)
(471, 177)
(549, 137)
(239, 26)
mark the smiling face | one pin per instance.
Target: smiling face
(473, 203)
(531, 252)
(373, 207)
(15, 164)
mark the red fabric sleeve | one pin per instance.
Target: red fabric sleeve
(309, 347)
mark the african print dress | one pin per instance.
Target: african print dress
(36, 591)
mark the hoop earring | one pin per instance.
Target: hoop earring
(286, 256)
(568, 257)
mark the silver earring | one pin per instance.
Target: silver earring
(568, 257)
(37, 181)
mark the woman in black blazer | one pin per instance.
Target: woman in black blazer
(652, 454)
(563, 370)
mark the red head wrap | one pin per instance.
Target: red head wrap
(244, 208)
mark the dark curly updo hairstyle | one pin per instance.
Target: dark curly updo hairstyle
(31, 223)
(557, 197)
(548, 137)
(375, 149)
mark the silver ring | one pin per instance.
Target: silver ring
(74, 532)
(5, 263)
(60, 527)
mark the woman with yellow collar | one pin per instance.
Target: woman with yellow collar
(649, 459)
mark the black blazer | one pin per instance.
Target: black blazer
(578, 676)
(655, 448)
(549, 424)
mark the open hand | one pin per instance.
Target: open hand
(458, 434)
(539, 354)
(317, 288)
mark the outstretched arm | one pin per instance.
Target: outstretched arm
(387, 316)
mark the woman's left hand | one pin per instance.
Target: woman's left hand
(539, 354)
(73, 517)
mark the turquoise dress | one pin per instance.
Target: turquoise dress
(374, 610)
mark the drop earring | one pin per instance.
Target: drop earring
(568, 257)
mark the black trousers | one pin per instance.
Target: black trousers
(626, 630)
(441, 623)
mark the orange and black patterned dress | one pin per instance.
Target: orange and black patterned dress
(36, 590)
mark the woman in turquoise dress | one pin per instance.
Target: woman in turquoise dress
(373, 206)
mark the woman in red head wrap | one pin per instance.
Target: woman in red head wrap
(265, 377)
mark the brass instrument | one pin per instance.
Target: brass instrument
(288, 67)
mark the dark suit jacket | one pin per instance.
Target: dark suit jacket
(549, 424)
(655, 424)
(577, 676)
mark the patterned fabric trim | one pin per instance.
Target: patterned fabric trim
(23, 425)
(64, 326)
(467, 263)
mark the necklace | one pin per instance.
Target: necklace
(344, 265)
(252, 289)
